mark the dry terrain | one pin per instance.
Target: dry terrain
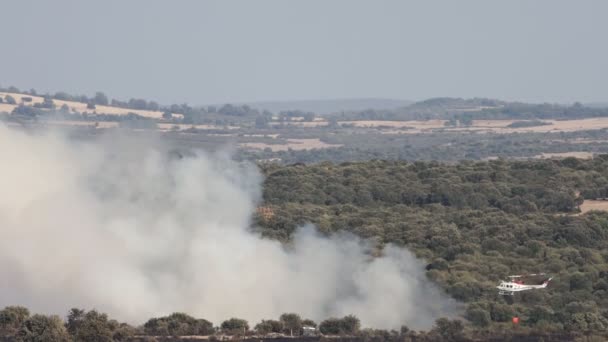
(78, 106)
(294, 144)
(589, 205)
(579, 155)
(385, 127)
(479, 126)
(180, 127)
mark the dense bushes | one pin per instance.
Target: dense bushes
(178, 324)
(474, 223)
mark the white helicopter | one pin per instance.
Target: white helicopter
(517, 284)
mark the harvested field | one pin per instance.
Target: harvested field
(500, 126)
(5, 107)
(82, 107)
(480, 126)
(294, 144)
(19, 97)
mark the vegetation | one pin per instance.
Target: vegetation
(476, 109)
(528, 123)
(472, 222)
(178, 324)
(475, 223)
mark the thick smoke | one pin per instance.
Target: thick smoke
(124, 228)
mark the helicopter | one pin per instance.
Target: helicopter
(516, 283)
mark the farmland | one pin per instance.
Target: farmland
(447, 130)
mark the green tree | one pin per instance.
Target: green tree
(40, 328)
(331, 326)
(340, 326)
(291, 322)
(450, 330)
(89, 327)
(101, 99)
(269, 326)
(350, 324)
(234, 326)
(178, 324)
(64, 109)
(11, 319)
(478, 316)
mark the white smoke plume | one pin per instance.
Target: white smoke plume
(118, 226)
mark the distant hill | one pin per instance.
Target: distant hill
(322, 107)
(466, 110)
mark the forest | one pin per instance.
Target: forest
(473, 223)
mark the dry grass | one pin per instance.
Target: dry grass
(385, 127)
(481, 126)
(589, 205)
(580, 155)
(294, 144)
(5, 107)
(82, 107)
(180, 127)
(19, 97)
(500, 126)
(396, 124)
(318, 123)
(271, 136)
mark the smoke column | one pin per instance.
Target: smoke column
(119, 226)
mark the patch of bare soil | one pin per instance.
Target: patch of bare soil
(589, 205)
(560, 155)
(294, 144)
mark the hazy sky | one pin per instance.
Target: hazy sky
(256, 50)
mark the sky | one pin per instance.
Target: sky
(207, 52)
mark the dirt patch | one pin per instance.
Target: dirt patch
(589, 205)
(181, 127)
(294, 144)
(428, 124)
(5, 107)
(271, 136)
(560, 155)
(319, 123)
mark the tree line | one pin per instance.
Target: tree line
(466, 110)
(18, 325)
(79, 325)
